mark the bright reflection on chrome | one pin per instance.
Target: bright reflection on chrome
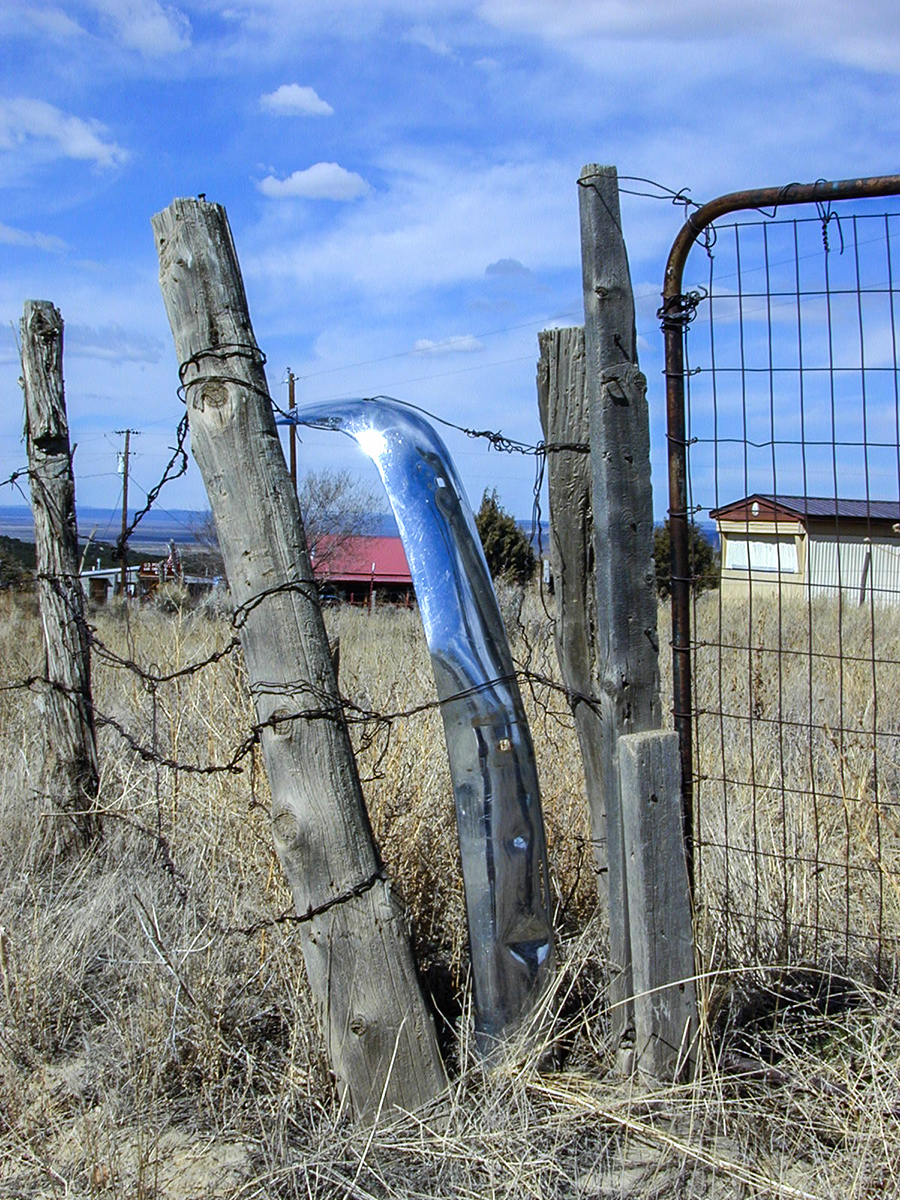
(498, 809)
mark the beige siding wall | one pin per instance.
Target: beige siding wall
(861, 571)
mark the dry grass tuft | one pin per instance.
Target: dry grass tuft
(156, 1033)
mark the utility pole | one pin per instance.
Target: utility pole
(123, 471)
(292, 429)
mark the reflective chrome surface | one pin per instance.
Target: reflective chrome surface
(498, 810)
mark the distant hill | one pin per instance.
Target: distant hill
(153, 533)
(18, 558)
(156, 529)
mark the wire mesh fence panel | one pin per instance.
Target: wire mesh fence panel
(793, 468)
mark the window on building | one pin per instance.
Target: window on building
(761, 554)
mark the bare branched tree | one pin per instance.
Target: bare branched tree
(205, 557)
(336, 508)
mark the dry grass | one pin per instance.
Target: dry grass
(798, 749)
(156, 1031)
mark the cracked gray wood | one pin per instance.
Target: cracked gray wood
(659, 900)
(69, 777)
(626, 635)
(377, 1027)
(562, 404)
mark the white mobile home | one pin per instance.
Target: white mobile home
(824, 545)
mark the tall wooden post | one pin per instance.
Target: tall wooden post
(379, 1033)
(69, 774)
(623, 529)
(565, 420)
(590, 391)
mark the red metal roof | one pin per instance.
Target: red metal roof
(362, 559)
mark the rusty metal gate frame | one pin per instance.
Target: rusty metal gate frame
(675, 315)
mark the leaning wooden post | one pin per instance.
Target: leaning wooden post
(69, 772)
(565, 420)
(379, 1033)
(623, 531)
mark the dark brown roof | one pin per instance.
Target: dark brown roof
(818, 506)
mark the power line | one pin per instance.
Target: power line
(414, 353)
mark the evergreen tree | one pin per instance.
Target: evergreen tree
(506, 548)
(703, 557)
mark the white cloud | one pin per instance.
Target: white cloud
(292, 100)
(18, 18)
(23, 120)
(321, 181)
(39, 241)
(464, 344)
(151, 28)
(424, 35)
(871, 39)
(437, 224)
(147, 26)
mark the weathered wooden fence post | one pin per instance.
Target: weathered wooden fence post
(565, 421)
(626, 634)
(378, 1030)
(590, 389)
(69, 774)
(659, 901)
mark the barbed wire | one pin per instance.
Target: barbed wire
(496, 439)
(174, 469)
(13, 481)
(305, 702)
(328, 706)
(335, 708)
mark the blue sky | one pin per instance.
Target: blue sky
(400, 181)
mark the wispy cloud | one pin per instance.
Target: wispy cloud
(153, 29)
(508, 268)
(294, 100)
(424, 35)
(111, 343)
(321, 181)
(464, 344)
(870, 40)
(23, 120)
(435, 223)
(40, 20)
(38, 241)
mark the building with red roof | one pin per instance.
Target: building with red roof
(362, 570)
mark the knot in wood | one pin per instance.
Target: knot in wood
(282, 722)
(624, 382)
(213, 393)
(358, 1025)
(285, 826)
